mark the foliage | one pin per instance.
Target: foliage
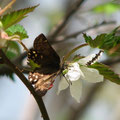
(7, 25)
(14, 17)
(13, 46)
(106, 72)
(104, 41)
(107, 8)
(33, 64)
(17, 30)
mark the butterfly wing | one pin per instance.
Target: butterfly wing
(43, 54)
(42, 80)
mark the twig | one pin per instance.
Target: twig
(27, 84)
(73, 50)
(7, 7)
(66, 37)
(114, 49)
(64, 21)
(25, 48)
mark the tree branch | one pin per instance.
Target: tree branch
(7, 7)
(57, 29)
(27, 84)
(66, 37)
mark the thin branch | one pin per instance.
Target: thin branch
(7, 7)
(27, 84)
(73, 50)
(114, 49)
(66, 37)
(64, 21)
(25, 48)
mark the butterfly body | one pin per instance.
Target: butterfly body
(43, 54)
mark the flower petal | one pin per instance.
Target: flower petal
(76, 90)
(85, 60)
(74, 72)
(73, 75)
(91, 75)
(62, 85)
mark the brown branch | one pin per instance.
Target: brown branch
(27, 84)
(7, 7)
(66, 37)
(64, 21)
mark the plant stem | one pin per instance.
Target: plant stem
(7, 7)
(73, 50)
(27, 84)
(25, 48)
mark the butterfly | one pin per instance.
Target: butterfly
(44, 55)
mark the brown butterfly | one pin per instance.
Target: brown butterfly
(43, 54)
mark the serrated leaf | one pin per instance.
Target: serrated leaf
(17, 30)
(15, 16)
(104, 41)
(106, 72)
(94, 42)
(33, 64)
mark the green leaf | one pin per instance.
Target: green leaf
(17, 30)
(13, 46)
(107, 8)
(106, 72)
(65, 71)
(94, 42)
(104, 41)
(11, 54)
(33, 64)
(77, 58)
(15, 16)
(11, 76)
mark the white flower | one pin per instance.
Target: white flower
(77, 72)
(74, 72)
